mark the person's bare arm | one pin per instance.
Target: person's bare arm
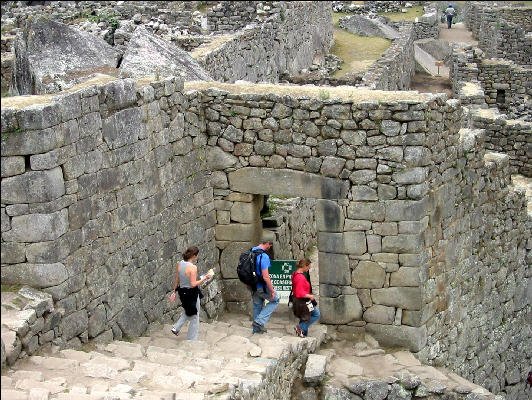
(193, 275)
(268, 281)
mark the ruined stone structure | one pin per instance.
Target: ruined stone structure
(423, 239)
(296, 34)
(502, 32)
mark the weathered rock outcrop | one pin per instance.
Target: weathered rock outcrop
(51, 56)
(148, 55)
(365, 26)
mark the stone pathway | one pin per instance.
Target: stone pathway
(458, 33)
(228, 362)
(225, 361)
(365, 364)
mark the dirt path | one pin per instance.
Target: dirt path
(458, 33)
(425, 83)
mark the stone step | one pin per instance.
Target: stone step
(226, 358)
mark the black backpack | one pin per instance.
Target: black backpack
(246, 269)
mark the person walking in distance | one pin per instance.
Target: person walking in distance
(187, 285)
(304, 302)
(265, 291)
(450, 12)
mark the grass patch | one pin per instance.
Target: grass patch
(410, 15)
(10, 288)
(337, 16)
(77, 20)
(202, 6)
(358, 52)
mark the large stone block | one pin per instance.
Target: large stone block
(419, 318)
(234, 290)
(97, 320)
(13, 252)
(340, 310)
(406, 276)
(366, 211)
(266, 181)
(37, 227)
(403, 243)
(331, 242)
(410, 176)
(131, 319)
(414, 339)
(406, 210)
(334, 269)
(33, 187)
(148, 52)
(52, 56)
(355, 243)
(74, 324)
(119, 94)
(12, 166)
(402, 297)
(34, 275)
(217, 159)
(239, 232)
(245, 212)
(329, 216)
(32, 142)
(230, 256)
(368, 275)
(123, 127)
(379, 314)
(315, 369)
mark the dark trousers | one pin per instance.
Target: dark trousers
(449, 21)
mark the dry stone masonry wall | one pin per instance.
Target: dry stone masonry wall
(292, 37)
(394, 69)
(502, 32)
(479, 272)
(103, 187)
(505, 85)
(102, 190)
(293, 224)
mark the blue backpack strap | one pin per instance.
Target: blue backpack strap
(258, 268)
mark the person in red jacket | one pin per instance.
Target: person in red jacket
(305, 304)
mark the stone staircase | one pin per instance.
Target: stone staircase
(227, 362)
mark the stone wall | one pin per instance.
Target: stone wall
(6, 71)
(102, 189)
(169, 13)
(428, 247)
(373, 6)
(405, 231)
(511, 137)
(478, 270)
(293, 227)
(505, 84)
(230, 16)
(377, 149)
(501, 32)
(29, 321)
(287, 41)
(394, 69)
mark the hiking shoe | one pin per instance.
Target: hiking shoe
(259, 328)
(174, 331)
(298, 330)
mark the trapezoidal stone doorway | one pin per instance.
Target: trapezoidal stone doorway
(240, 227)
